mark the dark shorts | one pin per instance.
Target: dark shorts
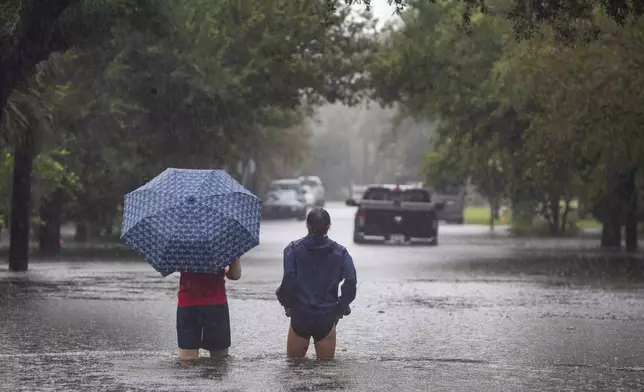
(317, 328)
(206, 327)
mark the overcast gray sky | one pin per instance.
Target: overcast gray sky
(381, 10)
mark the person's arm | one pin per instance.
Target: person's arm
(349, 287)
(285, 291)
(233, 271)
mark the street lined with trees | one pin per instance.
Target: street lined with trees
(540, 121)
(98, 97)
(538, 105)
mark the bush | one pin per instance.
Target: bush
(540, 228)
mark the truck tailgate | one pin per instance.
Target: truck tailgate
(410, 218)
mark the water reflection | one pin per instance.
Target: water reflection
(214, 368)
(312, 375)
(465, 316)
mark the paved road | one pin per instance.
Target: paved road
(476, 313)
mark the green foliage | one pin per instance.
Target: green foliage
(570, 19)
(534, 121)
(48, 168)
(53, 174)
(443, 167)
(541, 228)
(586, 107)
(142, 85)
(31, 31)
(437, 71)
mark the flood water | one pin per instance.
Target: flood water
(473, 314)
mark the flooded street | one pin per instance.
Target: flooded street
(473, 314)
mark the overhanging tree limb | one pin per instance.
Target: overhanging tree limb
(27, 43)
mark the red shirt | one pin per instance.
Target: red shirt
(201, 289)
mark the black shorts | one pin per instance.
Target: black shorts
(317, 328)
(206, 327)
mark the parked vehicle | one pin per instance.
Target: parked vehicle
(309, 196)
(315, 183)
(394, 212)
(285, 199)
(356, 191)
(286, 184)
(454, 200)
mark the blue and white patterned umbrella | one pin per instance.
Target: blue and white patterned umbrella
(191, 220)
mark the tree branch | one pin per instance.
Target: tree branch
(28, 42)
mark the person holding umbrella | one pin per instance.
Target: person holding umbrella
(203, 320)
(314, 266)
(198, 223)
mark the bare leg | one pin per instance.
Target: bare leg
(296, 346)
(325, 348)
(223, 353)
(187, 355)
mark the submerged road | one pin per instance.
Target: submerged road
(476, 313)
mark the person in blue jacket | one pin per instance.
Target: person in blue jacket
(314, 267)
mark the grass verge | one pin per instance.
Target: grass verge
(585, 224)
(479, 216)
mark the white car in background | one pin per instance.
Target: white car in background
(317, 188)
(285, 199)
(309, 196)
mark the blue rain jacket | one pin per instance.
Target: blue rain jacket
(314, 266)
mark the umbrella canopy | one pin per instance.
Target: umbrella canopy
(191, 220)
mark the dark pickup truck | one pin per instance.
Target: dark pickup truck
(396, 212)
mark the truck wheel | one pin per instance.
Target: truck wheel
(302, 215)
(434, 242)
(358, 238)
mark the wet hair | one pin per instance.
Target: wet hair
(318, 221)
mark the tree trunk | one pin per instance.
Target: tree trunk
(5, 92)
(81, 232)
(611, 212)
(21, 203)
(548, 213)
(631, 233)
(554, 214)
(497, 208)
(611, 228)
(564, 216)
(493, 208)
(611, 234)
(631, 212)
(49, 234)
(522, 211)
(94, 232)
(109, 228)
(581, 210)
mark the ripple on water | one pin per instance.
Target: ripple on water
(160, 371)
